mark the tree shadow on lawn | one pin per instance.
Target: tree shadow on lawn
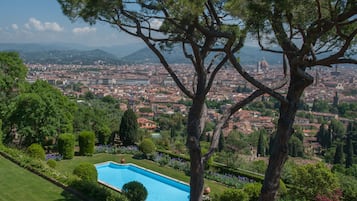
(68, 196)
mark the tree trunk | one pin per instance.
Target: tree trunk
(298, 82)
(193, 143)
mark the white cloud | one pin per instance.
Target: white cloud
(15, 27)
(83, 30)
(43, 26)
(156, 23)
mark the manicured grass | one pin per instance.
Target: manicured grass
(67, 167)
(18, 184)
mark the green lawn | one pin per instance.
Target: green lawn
(67, 166)
(18, 184)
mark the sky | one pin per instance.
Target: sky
(42, 21)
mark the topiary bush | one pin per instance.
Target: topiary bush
(36, 151)
(87, 172)
(135, 191)
(86, 140)
(147, 146)
(66, 145)
(52, 163)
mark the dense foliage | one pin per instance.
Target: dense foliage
(65, 145)
(135, 191)
(40, 113)
(12, 79)
(310, 181)
(147, 146)
(101, 115)
(86, 141)
(87, 172)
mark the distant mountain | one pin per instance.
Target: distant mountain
(247, 55)
(60, 53)
(84, 57)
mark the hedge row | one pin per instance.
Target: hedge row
(223, 168)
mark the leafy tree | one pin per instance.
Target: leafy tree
(135, 191)
(41, 112)
(312, 180)
(128, 131)
(302, 30)
(348, 186)
(86, 141)
(65, 145)
(97, 114)
(103, 133)
(320, 106)
(147, 146)
(12, 79)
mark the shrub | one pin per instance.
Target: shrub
(234, 194)
(66, 146)
(147, 146)
(1, 133)
(87, 172)
(96, 192)
(135, 191)
(86, 143)
(52, 163)
(252, 190)
(103, 134)
(36, 151)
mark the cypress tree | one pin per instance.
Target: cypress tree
(221, 142)
(338, 158)
(128, 131)
(349, 151)
(261, 145)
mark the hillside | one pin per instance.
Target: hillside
(248, 55)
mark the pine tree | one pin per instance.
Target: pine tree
(128, 131)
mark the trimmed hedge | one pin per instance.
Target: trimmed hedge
(86, 140)
(66, 145)
(223, 169)
(87, 172)
(36, 151)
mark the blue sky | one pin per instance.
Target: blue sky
(42, 21)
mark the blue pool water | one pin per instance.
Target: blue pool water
(159, 187)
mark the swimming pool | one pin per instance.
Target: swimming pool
(159, 187)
